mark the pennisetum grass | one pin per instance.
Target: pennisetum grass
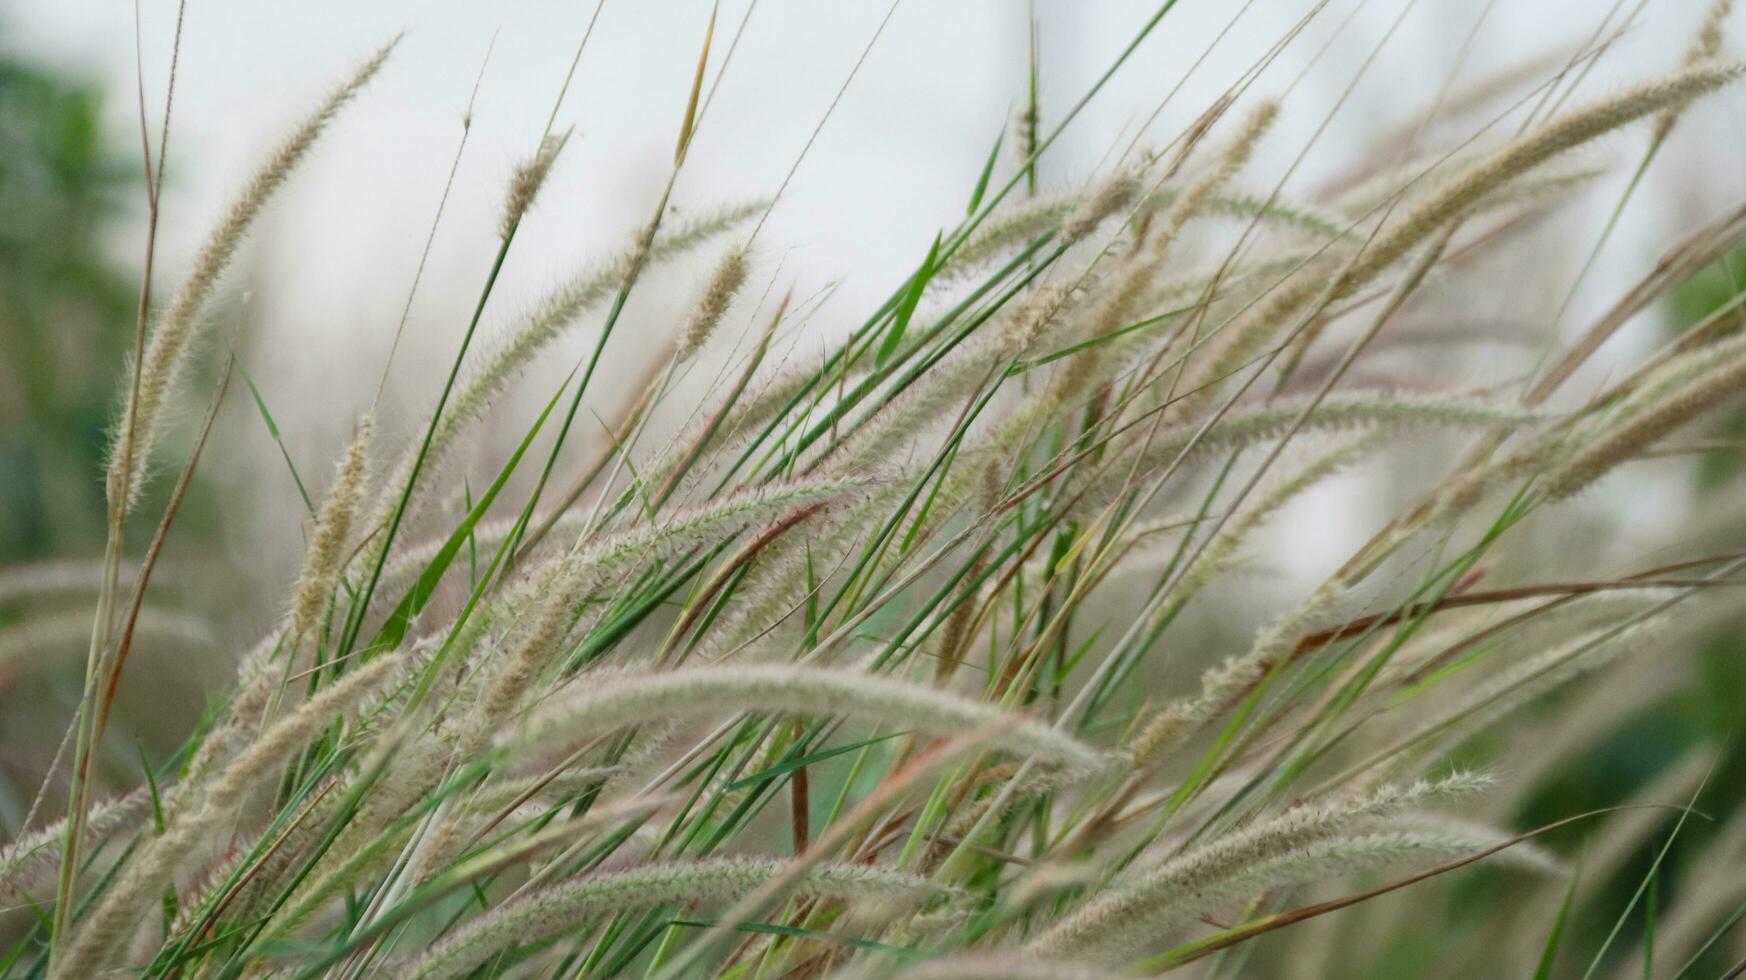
(836, 679)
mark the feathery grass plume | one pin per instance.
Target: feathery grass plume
(1706, 47)
(1222, 684)
(698, 525)
(367, 842)
(1465, 491)
(778, 575)
(729, 276)
(193, 903)
(1522, 856)
(898, 424)
(531, 799)
(333, 527)
(524, 185)
(1678, 371)
(168, 348)
(1038, 313)
(1559, 136)
(1534, 192)
(769, 396)
(517, 669)
(557, 909)
(1450, 202)
(1409, 182)
(501, 362)
(1029, 219)
(1512, 689)
(505, 681)
(406, 565)
(1388, 413)
(956, 631)
(1115, 194)
(291, 916)
(1199, 192)
(953, 383)
(1266, 854)
(561, 308)
(776, 578)
(1308, 822)
(678, 531)
(609, 701)
(1010, 227)
(1298, 219)
(1120, 302)
(894, 423)
(258, 679)
(28, 863)
(246, 879)
(1181, 903)
(1024, 128)
(1221, 552)
(1019, 787)
(1224, 281)
(1642, 430)
(107, 927)
(1435, 646)
(1012, 966)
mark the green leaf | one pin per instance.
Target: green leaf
(145, 766)
(400, 620)
(987, 172)
(273, 430)
(918, 285)
(1549, 955)
(803, 761)
(1648, 878)
(1651, 912)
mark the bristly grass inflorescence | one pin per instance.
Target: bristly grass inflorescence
(874, 664)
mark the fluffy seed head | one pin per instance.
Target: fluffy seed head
(1644, 429)
(1707, 46)
(524, 186)
(1309, 294)
(333, 526)
(1116, 193)
(111, 921)
(168, 349)
(552, 910)
(1194, 198)
(617, 700)
(1241, 863)
(729, 277)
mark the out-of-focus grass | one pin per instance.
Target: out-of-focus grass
(62, 188)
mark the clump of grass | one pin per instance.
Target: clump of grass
(838, 681)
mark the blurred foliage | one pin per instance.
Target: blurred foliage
(67, 312)
(63, 310)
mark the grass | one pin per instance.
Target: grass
(884, 663)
